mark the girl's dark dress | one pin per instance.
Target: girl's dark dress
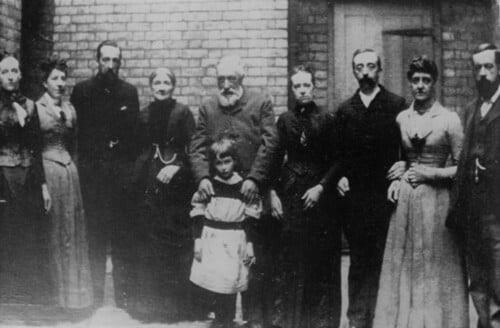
(307, 271)
(163, 226)
(24, 262)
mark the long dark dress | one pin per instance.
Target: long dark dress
(307, 271)
(423, 281)
(68, 249)
(24, 260)
(163, 226)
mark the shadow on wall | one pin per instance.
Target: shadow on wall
(37, 29)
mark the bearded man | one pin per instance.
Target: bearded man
(107, 109)
(369, 140)
(249, 117)
(475, 200)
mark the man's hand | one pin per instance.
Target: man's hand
(343, 186)
(167, 173)
(393, 191)
(311, 196)
(250, 191)
(276, 207)
(197, 250)
(396, 171)
(205, 190)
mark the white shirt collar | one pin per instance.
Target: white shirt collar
(50, 101)
(367, 99)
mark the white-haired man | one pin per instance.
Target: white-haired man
(249, 117)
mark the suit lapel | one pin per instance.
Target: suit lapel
(494, 112)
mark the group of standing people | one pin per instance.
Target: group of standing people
(269, 199)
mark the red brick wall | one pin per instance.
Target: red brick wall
(188, 36)
(309, 40)
(464, 24)
(10, 25)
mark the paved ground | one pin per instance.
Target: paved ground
(109, 316)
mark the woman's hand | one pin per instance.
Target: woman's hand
(311, 196)
(167, 173)
(418, 174)
(197, 249)
(393, 191)
(205, 190)
(343, 186)
(276, 207)
(47, 201)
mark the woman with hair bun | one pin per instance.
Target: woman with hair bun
(423, 281)
(163, 188)
(68, 246)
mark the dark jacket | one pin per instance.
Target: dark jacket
(306, 136)
(105, 115)
(369, 140)
(20, 144)
(460, 197)
(165, 128)
(252, 120)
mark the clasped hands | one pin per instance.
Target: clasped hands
(310, 198)
(415, 175)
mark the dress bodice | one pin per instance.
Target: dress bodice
(429, 138)
(58, 130)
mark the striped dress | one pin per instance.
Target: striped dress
(223, 238)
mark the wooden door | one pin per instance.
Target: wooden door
(397, 30)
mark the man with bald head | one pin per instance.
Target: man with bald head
(475, 202)
(249, 117)
(369, 144)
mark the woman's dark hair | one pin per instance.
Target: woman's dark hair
(52, 63)
(223, 146)
(422, 64)
(305, 69)
(5, 54)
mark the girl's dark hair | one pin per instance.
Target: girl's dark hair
(422, 64)
(223, 146)
(305, 69)
(52, 63)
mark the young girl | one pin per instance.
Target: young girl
(223, 232)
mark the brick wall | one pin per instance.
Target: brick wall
(464, 25)
(188, 36)
(10, 25)
(309, 41)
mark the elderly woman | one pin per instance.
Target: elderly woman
(163, 186)
(423, 282)
(23, 194)
(307, 271)
(68, 236)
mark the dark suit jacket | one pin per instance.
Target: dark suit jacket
(105, 115)
(460, 197)
(368, 141)
(178, 133)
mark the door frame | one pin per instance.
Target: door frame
(335, 5)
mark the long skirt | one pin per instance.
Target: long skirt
(423, 281)
(24, 261)
(68, 249)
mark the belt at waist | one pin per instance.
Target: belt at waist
(221, 225)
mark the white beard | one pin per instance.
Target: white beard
(229, 100)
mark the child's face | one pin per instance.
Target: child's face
(224, 166)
